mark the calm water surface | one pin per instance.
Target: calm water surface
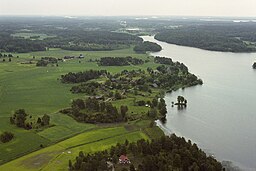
(221, 114)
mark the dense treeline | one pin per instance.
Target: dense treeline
(147, 46)
(169, 77)
(93, 110)
(5, 55)
(162, 60)
(212, 37)
(95, 40)
(20, 45)
(166, 153)
(82, 76)
(44, 61)
(89, 88)
(72, 39)
(21, 119)
(99, 37)
(93, 47)
(120, 61)
(171, 74)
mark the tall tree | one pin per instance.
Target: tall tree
(45, 119)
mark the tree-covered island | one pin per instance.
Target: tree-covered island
(254, 65)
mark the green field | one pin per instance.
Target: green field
(38, 91)
(56, 157)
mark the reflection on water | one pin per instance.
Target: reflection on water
(221, 114)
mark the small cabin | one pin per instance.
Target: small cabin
(123, 159)
(99, 97)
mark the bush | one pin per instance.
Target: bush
(6, 137)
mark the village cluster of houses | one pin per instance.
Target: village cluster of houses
(123, 159)
(81, 56)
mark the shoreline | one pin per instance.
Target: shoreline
(229, 164)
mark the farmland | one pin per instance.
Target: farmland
(41, 90)
(38, 91)
(56, 156)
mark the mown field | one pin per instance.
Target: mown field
(39, 91)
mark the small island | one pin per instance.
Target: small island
(181, 102)
(254, 65)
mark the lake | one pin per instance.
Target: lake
(221, 114)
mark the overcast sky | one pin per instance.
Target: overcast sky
(129, 7)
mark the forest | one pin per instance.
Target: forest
(226, 37)
(79, 35)
(166, 153)
(93, 110)
(147, 46)
(119, 61)
(77, 40)
(82, 76)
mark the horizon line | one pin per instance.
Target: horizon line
(152, 16)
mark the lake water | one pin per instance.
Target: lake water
(221, 114)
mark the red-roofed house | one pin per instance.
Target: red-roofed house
(124, 160)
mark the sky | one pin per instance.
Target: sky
(238, 8)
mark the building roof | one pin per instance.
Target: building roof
(123, 158)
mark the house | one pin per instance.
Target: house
(113, 80)
(81, 56)
(124, 160)
(99, 97)
(60, 59)
(156, 72)
(154, 85)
